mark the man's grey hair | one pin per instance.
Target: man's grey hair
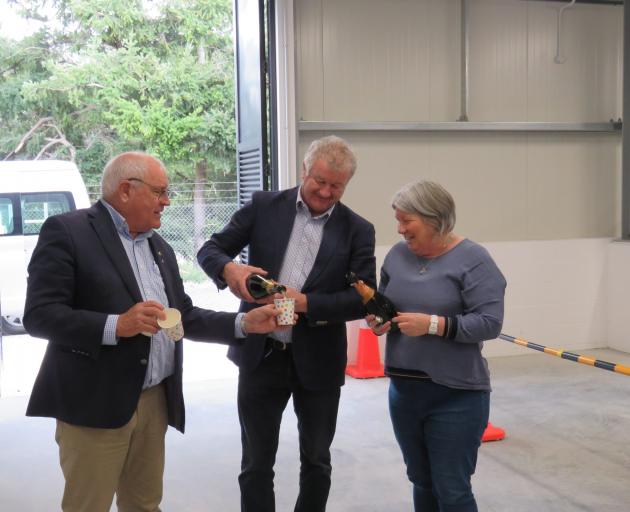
(335, 151)
(429, 200)
(132, 164)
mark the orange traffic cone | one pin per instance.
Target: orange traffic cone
(368, 357)
(492, 433)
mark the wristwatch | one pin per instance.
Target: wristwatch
(433, 325)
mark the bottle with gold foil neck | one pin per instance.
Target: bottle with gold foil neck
(260, 287)
(375, 303)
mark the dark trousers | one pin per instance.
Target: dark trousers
(439, 431)
(262, 398)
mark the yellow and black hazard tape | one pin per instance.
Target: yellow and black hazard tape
(598, 363)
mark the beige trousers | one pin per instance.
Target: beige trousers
(127, 461)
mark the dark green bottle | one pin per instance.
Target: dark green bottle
(260, 287)
(375, 303)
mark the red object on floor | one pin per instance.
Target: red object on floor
(368, 358)
(492, 433)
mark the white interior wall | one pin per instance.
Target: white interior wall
(617, 319)
(547, 205)
(508, 186)
(513, 72)
(399, 60)
(366, 60)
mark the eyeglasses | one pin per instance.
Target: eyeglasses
(159, 193)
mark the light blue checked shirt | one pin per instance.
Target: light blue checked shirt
(161, 361)
(306, 237)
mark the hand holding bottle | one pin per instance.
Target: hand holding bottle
(236, 278)
(378, 328)
(376, 304)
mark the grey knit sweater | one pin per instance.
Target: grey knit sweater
(464, 283)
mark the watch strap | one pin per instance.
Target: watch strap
(433, 325)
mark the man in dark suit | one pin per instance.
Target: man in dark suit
(99, 280)
(307, 240)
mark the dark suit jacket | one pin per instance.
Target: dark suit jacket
(79, 273)
(319, 337)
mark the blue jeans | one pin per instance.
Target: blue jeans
(439, 431)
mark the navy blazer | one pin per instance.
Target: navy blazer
(319, 337)
(78, 275)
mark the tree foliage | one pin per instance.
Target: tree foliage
(125, 74)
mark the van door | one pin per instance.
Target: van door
(12, 263)
(21, 218)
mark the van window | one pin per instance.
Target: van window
(37, 207)
(7, 224)
(24, 214)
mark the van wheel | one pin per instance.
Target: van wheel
(12, 325)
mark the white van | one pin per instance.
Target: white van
(30, 191)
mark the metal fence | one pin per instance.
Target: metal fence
(178, 220)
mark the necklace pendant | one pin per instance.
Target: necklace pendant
(423, 270)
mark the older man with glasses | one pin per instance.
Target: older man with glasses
(99, 280)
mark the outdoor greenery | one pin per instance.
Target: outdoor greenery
(104, 76)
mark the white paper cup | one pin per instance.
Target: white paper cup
(287, 309)
(172, 324)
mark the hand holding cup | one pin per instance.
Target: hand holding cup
(286, 307)
(172, 324)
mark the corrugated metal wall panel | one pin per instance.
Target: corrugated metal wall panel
(507, 186)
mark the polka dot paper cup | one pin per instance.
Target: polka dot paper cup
(287, 309)
(172, 324)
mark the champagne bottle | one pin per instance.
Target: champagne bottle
(375, 303)
(260, 287)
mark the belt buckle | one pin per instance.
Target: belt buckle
(274, 344)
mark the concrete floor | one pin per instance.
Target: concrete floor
(567, 446)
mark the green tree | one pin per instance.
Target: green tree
(115, 75)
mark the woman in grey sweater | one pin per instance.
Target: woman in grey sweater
(449, 294)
